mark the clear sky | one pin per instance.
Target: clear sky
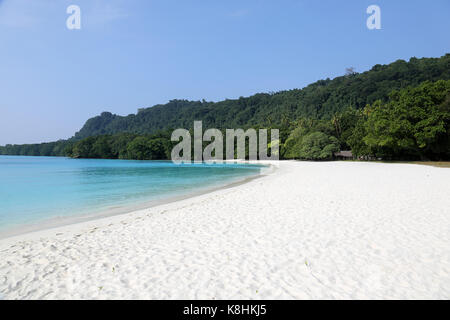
(130, 54)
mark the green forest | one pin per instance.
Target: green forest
(399, 111)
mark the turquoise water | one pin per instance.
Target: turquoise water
(36, 189)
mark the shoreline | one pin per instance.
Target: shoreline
(61, 222)
(329, 230)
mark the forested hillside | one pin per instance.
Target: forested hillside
(399, 111)
(320, 100)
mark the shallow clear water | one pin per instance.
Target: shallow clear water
(34, 189)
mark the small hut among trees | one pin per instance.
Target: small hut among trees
(344, 155)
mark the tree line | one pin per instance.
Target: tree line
(410, 122)
(319, 100)
(414, 124)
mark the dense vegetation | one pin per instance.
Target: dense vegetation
(395, 111)
(320, 100)
(58, 148)
(413, 124)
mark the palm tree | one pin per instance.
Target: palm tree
(336, 120)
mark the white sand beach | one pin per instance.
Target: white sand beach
(333, 230)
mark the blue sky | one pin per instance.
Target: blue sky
(136, 53)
